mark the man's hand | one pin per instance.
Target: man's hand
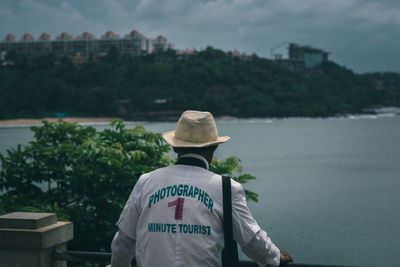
(285, 257)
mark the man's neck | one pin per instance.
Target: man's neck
(197, 156)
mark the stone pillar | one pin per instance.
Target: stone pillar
(29, 239)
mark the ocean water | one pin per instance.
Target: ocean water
(329, 188)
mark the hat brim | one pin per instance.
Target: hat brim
(170, 138)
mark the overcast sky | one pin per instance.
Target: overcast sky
(363, 35)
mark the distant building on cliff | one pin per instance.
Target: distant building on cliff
(84, 45)
(302, 57)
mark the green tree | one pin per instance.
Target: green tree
(86, 176)
(211, 79)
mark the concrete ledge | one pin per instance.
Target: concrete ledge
(42, 238)
(30, 239)
(27, 220)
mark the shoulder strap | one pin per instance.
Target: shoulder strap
(229, 253)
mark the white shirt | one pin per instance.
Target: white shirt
(174, 217)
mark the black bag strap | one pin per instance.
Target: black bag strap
(229, 253)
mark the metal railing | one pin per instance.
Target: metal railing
(81, 256)
(103, 257)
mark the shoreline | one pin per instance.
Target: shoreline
(383, 111)
(32, 122)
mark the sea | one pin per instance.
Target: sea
(329, 188)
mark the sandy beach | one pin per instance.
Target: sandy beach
(39, 121)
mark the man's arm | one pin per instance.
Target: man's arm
(254, 241)
(262, 250)
(123, 250)
(124, 242)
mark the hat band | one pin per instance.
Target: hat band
(194, 139)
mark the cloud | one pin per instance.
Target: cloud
(344, 27)
(377, 13)
(36, 17)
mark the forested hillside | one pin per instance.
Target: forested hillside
(389, 83)
(212, 81)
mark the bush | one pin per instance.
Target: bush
(86, 176)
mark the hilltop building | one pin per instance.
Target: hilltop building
(186, 54)
(302, 57)
(85, 44)
(240, 56)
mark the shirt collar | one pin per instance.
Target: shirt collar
(196, 156)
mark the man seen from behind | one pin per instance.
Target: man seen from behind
(174, 215)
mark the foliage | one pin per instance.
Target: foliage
(212, 81)
(389, 84)
(86, 176)
(228, 167)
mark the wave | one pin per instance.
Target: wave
(366, 116)
(344, 117)
(248, 120)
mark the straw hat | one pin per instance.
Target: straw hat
(195, 129)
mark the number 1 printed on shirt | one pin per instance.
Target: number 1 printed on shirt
(179, 207)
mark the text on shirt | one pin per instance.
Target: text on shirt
(182, 190)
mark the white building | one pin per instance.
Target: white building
(85, 44)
